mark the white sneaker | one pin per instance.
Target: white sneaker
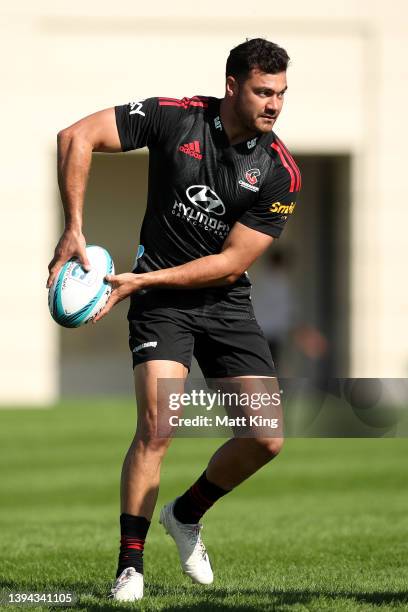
(193, 555)
(128, 586)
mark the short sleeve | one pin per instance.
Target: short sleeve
(276, 202)
(138, 123)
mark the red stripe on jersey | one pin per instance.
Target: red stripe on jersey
(168, 103)
(200, 98)
(292, 163)
(294, 167)
(286, 165)
(196, 146)
(185, 102)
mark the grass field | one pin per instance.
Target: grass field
(325, 527)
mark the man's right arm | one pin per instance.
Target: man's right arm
(95, 133)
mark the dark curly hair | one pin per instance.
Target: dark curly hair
(256, 53)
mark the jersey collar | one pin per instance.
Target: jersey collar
(220, 136)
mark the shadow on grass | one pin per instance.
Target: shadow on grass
(206, 599)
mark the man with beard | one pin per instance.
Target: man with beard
(221, 188)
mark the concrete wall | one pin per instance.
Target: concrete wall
(347, 94)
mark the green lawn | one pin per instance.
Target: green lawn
(325, 527)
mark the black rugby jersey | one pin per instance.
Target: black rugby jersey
(199, 186)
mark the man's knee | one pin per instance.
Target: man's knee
(149, 442)
(270, 447)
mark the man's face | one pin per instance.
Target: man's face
(258, 100)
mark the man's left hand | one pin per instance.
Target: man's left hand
(122, 286)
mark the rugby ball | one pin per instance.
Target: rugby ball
(76, 296)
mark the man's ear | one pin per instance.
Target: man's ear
(231, 86)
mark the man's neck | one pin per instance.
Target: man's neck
(233, 128)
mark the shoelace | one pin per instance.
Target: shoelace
(123, 582)
(193, 534)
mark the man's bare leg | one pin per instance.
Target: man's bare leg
(141, 467)
(240, 458)
(231, 464)
(141, 475)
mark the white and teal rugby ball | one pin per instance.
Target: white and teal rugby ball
(77, 296)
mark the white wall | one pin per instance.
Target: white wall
(347, 93)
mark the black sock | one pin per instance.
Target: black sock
(133, 532)
(191, 506)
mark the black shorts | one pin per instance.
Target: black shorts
(222, 346)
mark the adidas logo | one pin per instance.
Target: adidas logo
(192, 149)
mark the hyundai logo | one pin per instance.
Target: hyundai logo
(206, 199)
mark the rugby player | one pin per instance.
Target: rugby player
(221, 188)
